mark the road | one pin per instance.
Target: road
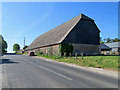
(22, 71)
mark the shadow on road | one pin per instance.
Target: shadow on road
(7, 61)
(12, 54)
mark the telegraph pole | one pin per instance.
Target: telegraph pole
(24, 45)
(24, 41)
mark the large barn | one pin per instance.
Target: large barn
(81, 32)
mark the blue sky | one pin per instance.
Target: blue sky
(31, 19)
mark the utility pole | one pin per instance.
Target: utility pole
(24, 41)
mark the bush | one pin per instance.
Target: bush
(65, 48)
(39, 53)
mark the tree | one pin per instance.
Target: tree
(116, 40)
(109, 40)
(66, 48)
(3, 45)
(104, 40)
(25, 47)
(16, 47)
(101, 40)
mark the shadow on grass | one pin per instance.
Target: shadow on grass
(7, 61)
(101, 55)
(104, 55)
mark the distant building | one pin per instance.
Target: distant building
(105, 49)
(81, 32)
(110, 48)
(20, 51)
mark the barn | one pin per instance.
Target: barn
(81, 32)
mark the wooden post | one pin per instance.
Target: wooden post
(70, 55)
(53, 53)
(64, 54)
(76, 55)
(60, 54)
(82, 55)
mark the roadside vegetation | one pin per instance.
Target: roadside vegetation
(18, 53)
(16, 47)
(105, 62)
(109, 40)
(3, 45)
(25, 53)
(22, 53)
(102, 61)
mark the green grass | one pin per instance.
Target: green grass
(22, 53)
(18, 53)
(105, 62)
(25, 53)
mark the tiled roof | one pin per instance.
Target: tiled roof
(113, 45)
(57, 34)
(103, 46)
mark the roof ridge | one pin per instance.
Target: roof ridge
(60, 32)
(85, 17)
(70, 29)
(81, 16)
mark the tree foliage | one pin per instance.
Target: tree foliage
(116, 40)
(101, 40)
(25, 47)
(16, 47)
(65, 48)
(3, 45)
(109, 40)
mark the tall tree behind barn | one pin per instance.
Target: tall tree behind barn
(81, 32)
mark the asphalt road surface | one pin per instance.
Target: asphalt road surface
(22, 71)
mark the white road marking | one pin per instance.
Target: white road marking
(56, 73)
(52, 71)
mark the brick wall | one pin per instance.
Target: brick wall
(78, 48)
(51, 50)
(86, 49)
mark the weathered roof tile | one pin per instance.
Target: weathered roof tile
(57, 34)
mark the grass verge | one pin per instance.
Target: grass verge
(105, 62)
(25, 53)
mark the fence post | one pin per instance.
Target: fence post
(53, 53)
(76, 55)
(60, 54)
(70, 55)
(64, 54)
(82, 55)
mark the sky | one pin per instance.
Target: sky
(32, 19)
